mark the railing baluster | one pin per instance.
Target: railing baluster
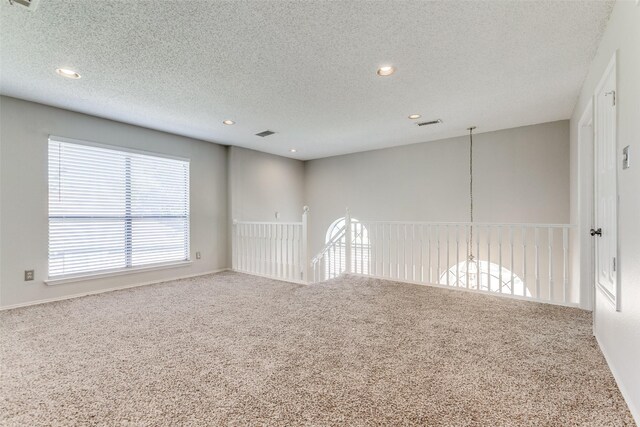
(524, 262)
(421, 243)
(362, 228)
(245, 250)
(511, 266)
(376, 249)
(397, 251)
(551, 290)
(413, 255)
(457, 283)
(283, 266)
(272, 240)
(500, 258)
(263, 249)
(404, 249)
(537, 262)
(467, 233)
(478, 277)
(438, 248)
(446, 268)
(489, 258)
(429, 252)
(565, 265)
(336, 268)
(254, 245)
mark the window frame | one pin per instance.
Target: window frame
(76, 277)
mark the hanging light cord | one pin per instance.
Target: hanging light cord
(471, 192)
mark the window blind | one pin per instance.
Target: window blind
(111, 209)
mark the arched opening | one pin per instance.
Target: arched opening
(485, 276)
(360, 248)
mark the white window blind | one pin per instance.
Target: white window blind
(112, 210)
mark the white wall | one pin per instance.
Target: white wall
(520, 175)
(262, 184)
(24, 129)
(618, 332)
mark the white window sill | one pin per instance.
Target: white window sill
(111, 273)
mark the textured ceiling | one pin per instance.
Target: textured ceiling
(306, 70)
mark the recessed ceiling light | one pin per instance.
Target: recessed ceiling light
(415, 116)
(387, 70)
(229, 122)
(65, 72)
(293, 150)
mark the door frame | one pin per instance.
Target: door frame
(613, 299)
(585, 207)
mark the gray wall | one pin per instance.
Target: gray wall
(24, 130)
(262, 184)
(617, 332)
(520, 175)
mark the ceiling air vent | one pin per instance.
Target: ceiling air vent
(265, 133)
(432, 122)
(30, 4)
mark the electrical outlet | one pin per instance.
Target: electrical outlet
(197, 255)
(28, 275)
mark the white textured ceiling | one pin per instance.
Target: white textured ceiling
(304, 69)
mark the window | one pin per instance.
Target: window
(111, 209)
(359, 248)
(491, 278)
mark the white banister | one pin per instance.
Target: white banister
(271, 249)
(481, 257)
(517, 260)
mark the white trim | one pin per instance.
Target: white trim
(635, 412)
(607, 294)
(102, 291)
(280, 279)
(480, 224)
(612, 66)
(235, 221)
(585, 125)
(110, 273)
(475, 291)
(116, 147)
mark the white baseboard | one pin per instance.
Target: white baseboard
(101, 291)
(635, 412)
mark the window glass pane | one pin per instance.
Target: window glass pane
(112, 209)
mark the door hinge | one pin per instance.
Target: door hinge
(613, 99)
(614, 264)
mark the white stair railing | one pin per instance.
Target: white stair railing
(528, 261)
(271, 249)
(331, 260)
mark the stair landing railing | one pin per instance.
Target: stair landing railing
(272, 249)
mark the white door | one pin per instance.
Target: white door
(606, 190)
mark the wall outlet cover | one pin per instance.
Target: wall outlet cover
(29, 275)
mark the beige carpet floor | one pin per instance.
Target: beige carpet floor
(231, 349)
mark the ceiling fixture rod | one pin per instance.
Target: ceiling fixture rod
(471, 129)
